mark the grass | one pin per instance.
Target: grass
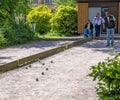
(37, 35)
(55, 35)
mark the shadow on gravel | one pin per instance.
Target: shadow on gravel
(41, 44)
(5, 57)
(100, 45)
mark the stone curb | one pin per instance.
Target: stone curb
(104, 38)
(61, 39)
(44, 54)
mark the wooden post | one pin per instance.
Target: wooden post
(82, 16)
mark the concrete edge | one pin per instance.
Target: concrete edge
(60, 39)
(44, 54)
(104, 38)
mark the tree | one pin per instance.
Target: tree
(65, 3)
(41, 15)
(12, 32)
(11, 8)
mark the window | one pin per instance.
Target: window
(48, 1)
(35, 1)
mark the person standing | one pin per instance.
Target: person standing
(110, 26)
(97, 21)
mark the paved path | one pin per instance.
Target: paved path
(18, 52)
(65, 79)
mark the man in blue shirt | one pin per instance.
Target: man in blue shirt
(97, 21)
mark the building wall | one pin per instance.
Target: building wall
(119, 18)
(80, 1)
(114, 8)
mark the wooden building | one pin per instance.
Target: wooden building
(87, 9)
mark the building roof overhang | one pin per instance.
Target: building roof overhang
(79, 1)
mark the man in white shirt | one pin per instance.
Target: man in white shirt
(110, 26)
(97, 21)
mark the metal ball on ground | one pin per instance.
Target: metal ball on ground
(30, 66)
(51, 61)
(43, 64)
(46, 69)
(37, 79)
(42, 73)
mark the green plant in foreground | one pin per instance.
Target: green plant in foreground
(108, 75)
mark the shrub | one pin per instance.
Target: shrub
(71, 3)
(108, 75)
(3, 41)
(65, 19)
(41, 15)
(17, 33)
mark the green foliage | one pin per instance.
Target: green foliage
(65, 19)
(11, 8)
(71, 3)
(41, 15)
(3, 41)
(108, 75)
(54, 35)
(17, 33)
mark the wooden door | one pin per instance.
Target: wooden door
(82, 16)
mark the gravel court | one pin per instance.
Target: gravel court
(17, 52)
(65, 79)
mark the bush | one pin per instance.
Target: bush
(17, 33)
(71, 3)
(41, 15)
(3, 41)
(65, 19)
(108, 75)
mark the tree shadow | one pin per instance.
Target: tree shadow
(5, 57)
(8, 54)
(2, 59)
(42, 44)
(100, 45)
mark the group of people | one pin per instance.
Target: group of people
(108, 23)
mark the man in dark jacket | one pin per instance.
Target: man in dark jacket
(110, 26)
(88, 29)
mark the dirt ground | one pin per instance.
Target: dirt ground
(60, 77)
